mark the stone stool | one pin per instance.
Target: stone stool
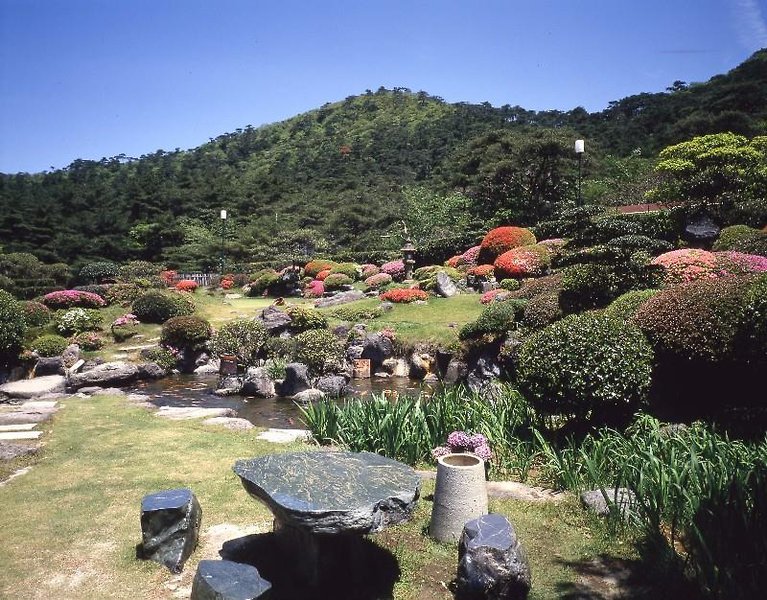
(491, 561)
(170, 527)
(227, 580)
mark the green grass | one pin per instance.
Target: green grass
(70, 525)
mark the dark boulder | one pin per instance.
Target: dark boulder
(275, 320)
(53, 365)
(377, 348)
(296, 380)
(170, 527)
(227, 580)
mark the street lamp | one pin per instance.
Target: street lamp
(579, 149)
(223, 234)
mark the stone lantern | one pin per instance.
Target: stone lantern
(408, 257)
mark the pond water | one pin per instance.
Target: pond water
(281, 413)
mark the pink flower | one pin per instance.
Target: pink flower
(395, 268)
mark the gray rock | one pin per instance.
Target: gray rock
(456, 371)
(486, 286)
(446, 287)
(227, 580)
(9, 450)
(340, 298)
(421, 364)
(206, 369)
(170, 527)
(398, 367)
(377, 348)
(229, 386)
(32, 388)
(274, 319)
(53, 365)
(150, 370)
(485, 370)
(354, 351)
(111, 374)
(309, 396)
(296, 380)
(332, 385)
(89, 390)
(233, 423)
(620, 499)
(491, 561)
(258, 383)
(71, 355)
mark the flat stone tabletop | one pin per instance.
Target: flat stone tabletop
(332, 492)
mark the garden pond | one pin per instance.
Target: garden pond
(277, 412)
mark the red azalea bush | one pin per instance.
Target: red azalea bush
(502, 239)
(73, 298)
(227, 282)
(395, 268)
(454, 261)
(186, 285)
(403, 295)
(315, 266)
(322, 275)
(471, 256)
(314, 289)
(481, 271)
(492, 295)
(168, 277)
(378, 280)
(368, 270)
(523, 261)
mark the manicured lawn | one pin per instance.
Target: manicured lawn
(70, 526)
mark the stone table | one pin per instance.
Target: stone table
(321, 499)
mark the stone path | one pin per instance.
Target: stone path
(18, 423)
(34, 388)
(283, 436)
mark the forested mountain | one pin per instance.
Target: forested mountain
(340, 177)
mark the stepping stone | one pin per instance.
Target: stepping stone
(233, 423)
(170, 527)
(284, 436)
(227, 580)
(9, 450)
(31, 388)
(180, 413)
(18, 427)
(20, 435)
(39, 405)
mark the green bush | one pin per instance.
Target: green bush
(304, 318)
(77, 320)
(139, 269)
(351, 270)
(586, 287)
(730, 236)
(155, 306)
(88, 341)
(550, 284)
(36, 314)
(185, 332)
(49, 345)
(633, 243)
(337, 281)
(99, 290)
(243, 338)
(625, 305)
(495, 319)
(264, 280)
(355, 314)
(427, 276)
(319, 349)
(588, 367)
(123, 293)
(510, 284)
(99, 272)
(753, 331)
(542, 310)
(12, 326)
(163, 357)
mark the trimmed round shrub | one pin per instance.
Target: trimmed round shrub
(322, 275)
(263, 280)
(495, 295)
(72, 298)
(13, 326)
(313, 267)
(587, 286)
(368, 270)
(496, 319)
(689, 264)
(395, 268)
(542, 310)
(634, 243)
(510, 284)
(471, 256)
(483, 271)
(185, 332)
(739, 263)
(36, 314)
(403, 295)
(502, 239)
(548, 284)
(243, 338)
(319, 349)
(99, 290)
(99, 272)
(625, 306)
(377, 281)
(524, 261)
(77, 320)
(454, 261)
(314, 289)
(697, 320)
(49, 345)
(155, 306)
(731, 238)
(123, 293)
(88, 341)
(139, 269)
(163, 357)
(588, 366)
(187, 285)
(753, 334)
(337, 281)
(304, 318)
(351, 270)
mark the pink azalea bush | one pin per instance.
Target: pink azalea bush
(460, 441)
(368, 270)
(491, 295)
(471, 256)
(739, 263)
(314, 289)
(692, 264)
(395, 268)
(73, 298)
(379, 279)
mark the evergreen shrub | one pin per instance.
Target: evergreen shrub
(162, 357)
(510, 284)
(89, 341)
(542, 310)
(337, 281)
(186, 331)
(588, 366)
(49, 345)
(243, 338)
(319, 349)
(36, 314)
(304, 318)
(587, 286)
(633, 243)
(264, 280)
(139, 269)
(625, 306)
(99, 290)
(351, 270)
(123, 293)
(155, 306)
(496, 319)
(12, 326)
(77, 320)
(98, 272)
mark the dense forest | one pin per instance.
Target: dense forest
(342, 178)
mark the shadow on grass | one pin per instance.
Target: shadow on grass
(360, 570)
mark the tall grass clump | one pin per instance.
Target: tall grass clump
(409, 428)
(701, 499)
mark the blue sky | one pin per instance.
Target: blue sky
(95, 78)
